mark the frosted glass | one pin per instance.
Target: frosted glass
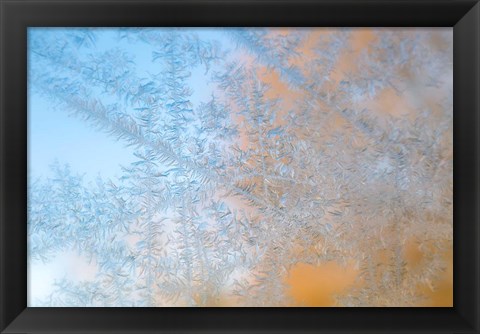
(240, 167)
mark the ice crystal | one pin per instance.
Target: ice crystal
(252, 151)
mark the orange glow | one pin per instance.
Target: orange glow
(316, 285)
(442, 294)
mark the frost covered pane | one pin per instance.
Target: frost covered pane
(240, 167)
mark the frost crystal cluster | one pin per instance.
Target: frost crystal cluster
(244, 154)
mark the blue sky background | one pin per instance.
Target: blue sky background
(54, 134)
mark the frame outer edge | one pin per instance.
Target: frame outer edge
(467, 118)
(3, 303)
(477, 168)
(12, 303)
(3, 254)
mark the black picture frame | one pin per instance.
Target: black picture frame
(17, 15)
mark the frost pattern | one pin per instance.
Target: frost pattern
(293, 155)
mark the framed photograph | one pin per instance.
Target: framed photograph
(247, 166)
